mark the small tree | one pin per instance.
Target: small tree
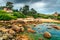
(25, 9)
(9, 5)
(33, 11)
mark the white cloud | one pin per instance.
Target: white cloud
(18, 5)
(44, 6)
(2, 3)
(38, 5)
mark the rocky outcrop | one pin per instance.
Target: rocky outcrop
(47, 35)
(56, 27)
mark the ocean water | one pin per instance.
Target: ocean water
(41, 28)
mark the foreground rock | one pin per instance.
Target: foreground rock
(40, 39)
(10, 31)
(30, 30)
(47, 35)
(21, 29)
(34, 25)
(22, 37)
(3, 29)
(16, 28)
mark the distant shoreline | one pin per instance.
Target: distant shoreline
(50, 20)
(40, 20)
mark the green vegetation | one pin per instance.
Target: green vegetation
(19, 15)
(6, 16)
(58, 17)
(9, 16)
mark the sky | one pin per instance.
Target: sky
(41, 6)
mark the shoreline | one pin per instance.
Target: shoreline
(50, 20)
(41, 20)
(37, 20)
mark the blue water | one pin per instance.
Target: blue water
(41, 28)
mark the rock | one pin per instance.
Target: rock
(28, 26)
(9, 26)
(3, 29)
(22, 29)
(10, 31)
(56, 27)
(34, 25)
(30, 30)
(49, 28)
(20, 25)
(16, 28)
(10, 37)
(22, 37)
(38, 28)
(47, 35)
(5, 37)
(13, 39)
(1, 34)
(1, 38)
(40, 39)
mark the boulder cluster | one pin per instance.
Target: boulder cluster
(9, 30)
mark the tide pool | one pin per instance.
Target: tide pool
(41, 28)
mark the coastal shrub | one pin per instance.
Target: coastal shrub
(19, 15)
(58, 17)
(6, 17)
(35, 16)
(2, 11)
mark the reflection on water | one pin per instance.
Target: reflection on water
(41, 28)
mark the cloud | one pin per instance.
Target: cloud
(38, 5)
(2, 3)
(22, 1)
(43, 6)
(18, 6)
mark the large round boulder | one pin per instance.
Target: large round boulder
(47, 35)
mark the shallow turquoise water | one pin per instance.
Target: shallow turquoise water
(41, 28)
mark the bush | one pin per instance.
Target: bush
(19, 15)
(6, 17)
(35, 16)
(58, 17)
